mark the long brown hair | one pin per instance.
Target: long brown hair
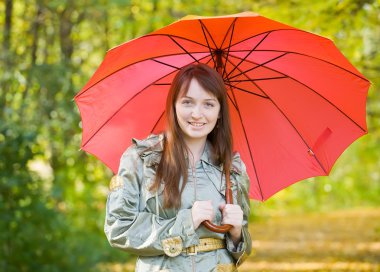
(173, 164)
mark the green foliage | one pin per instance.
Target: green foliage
(52, 195)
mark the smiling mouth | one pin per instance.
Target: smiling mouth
(196, 124)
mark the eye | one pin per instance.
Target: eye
(186, 102)
(210, 105)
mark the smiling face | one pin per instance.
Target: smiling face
(197, 112)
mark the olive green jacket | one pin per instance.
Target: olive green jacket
(136, 221)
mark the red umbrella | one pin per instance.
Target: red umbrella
(296, 102)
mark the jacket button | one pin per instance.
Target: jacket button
(172, 250)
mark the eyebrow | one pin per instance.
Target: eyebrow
(208, 99)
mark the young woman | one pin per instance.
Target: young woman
(168, 184)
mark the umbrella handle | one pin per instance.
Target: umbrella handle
(227, 227)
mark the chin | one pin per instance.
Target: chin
(200, 135)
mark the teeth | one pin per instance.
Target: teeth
(196, 124)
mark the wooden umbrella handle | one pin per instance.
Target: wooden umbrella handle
(227, 227)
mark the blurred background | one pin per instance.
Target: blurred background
(52, 195)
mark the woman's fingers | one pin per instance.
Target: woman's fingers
(233, 215)
(204, 210)
(201, 211)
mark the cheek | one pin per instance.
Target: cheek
(216, 114)
(181, 113)
(177, 109)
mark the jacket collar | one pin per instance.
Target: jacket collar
(150, 150)
(207, 156)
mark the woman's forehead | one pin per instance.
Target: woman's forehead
(196, 91)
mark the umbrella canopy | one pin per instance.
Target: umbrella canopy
(296, 103)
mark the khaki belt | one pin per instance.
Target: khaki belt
(205, 244)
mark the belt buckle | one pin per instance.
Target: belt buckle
(191, 250)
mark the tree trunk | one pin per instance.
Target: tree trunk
(7, 29)
(5, 55)
(65, 28)
(35, 32)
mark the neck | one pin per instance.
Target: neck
(195, 148)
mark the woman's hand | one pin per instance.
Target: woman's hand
(202, 211)
(233, 215)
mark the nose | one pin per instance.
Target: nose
(196, 112)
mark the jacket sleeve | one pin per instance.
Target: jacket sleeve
(244, 248)
(142, 232)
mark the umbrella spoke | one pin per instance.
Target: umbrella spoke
(301, 54)
(204, 28)
(244, 90)
(228, 51)
(247, 142)
(182, 48)
(247, 55)
(257, 79)
(169, 83)
(169, 65)
(308, 87)
(158, 120)
(232, 101)
(175, 36)
(208, 44)
(258, 65)
(238, 81)
(225, 36)
(266, 32)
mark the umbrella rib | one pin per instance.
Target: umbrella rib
(299, 134)
(258, 65)
(247, 55)
(269, 31)
(155, 125)
(305, 55)
(182, 48)
(311, 89)
(249, 147)
(233, 103)
(205, 28)
(208, 44)
(228, 30)
(130, 99)
(169, 65)
(248, 80)
(243, 90)
(258, 79)
(229, 45)
(170, 35)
